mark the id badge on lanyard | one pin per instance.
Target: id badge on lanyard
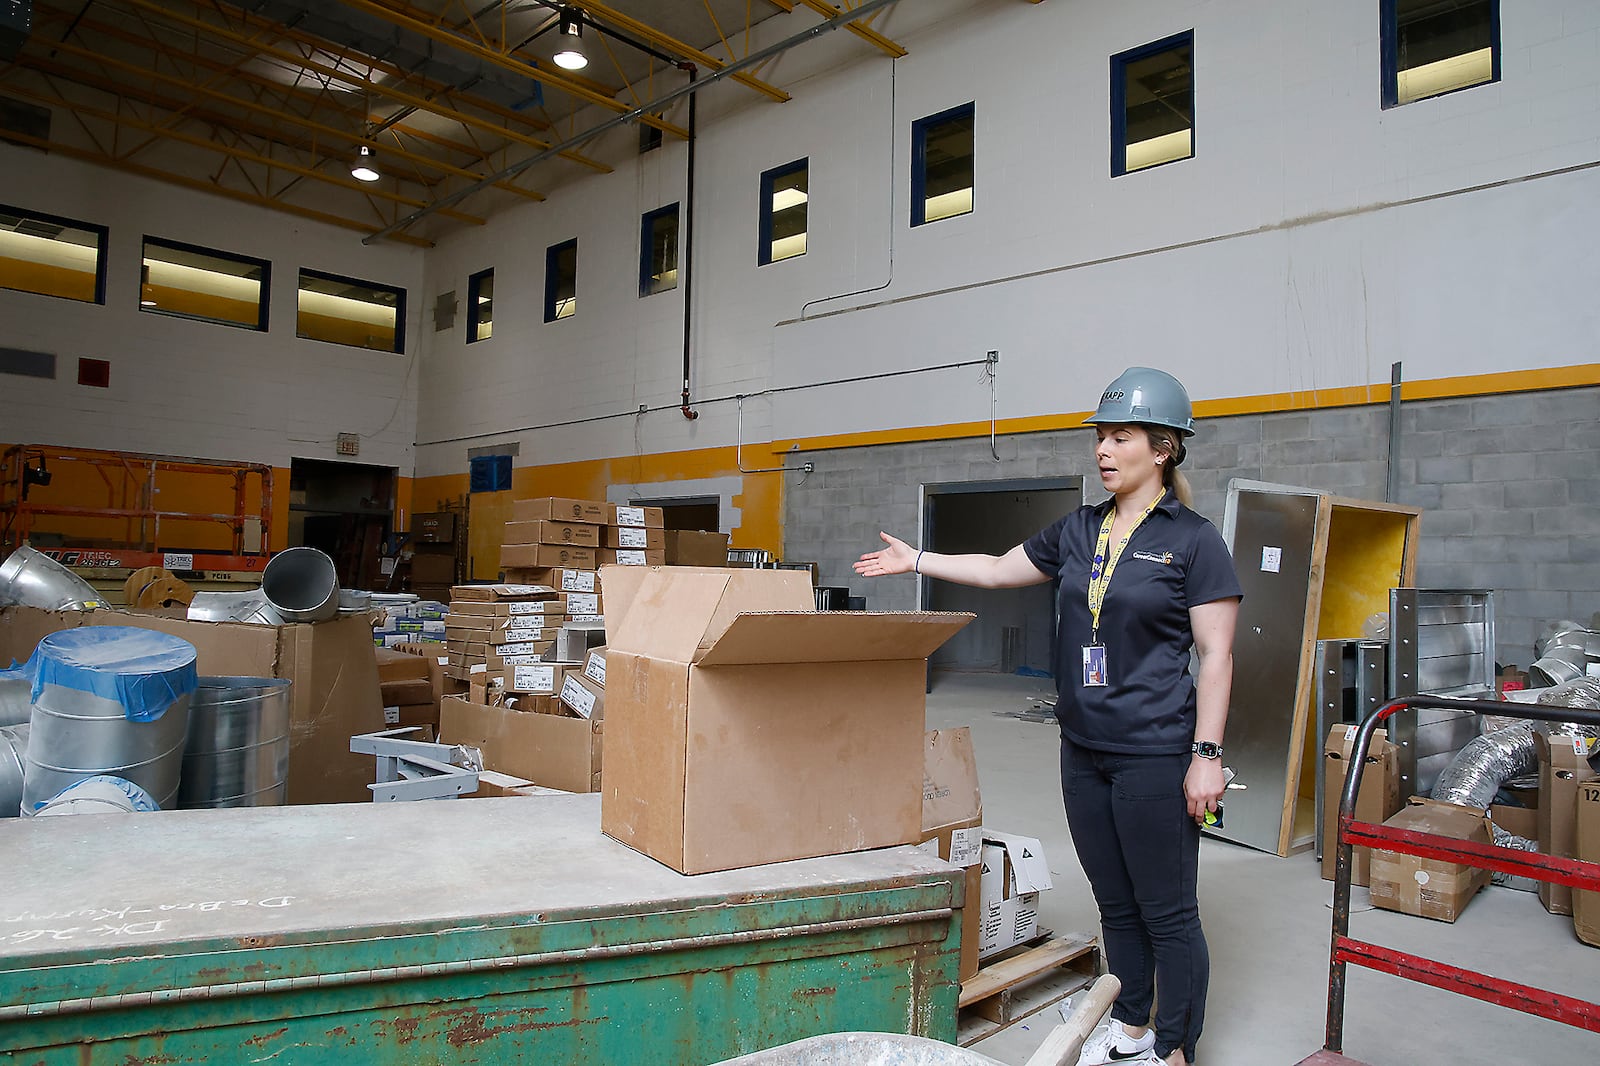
(1105, 564)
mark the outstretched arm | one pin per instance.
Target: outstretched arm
(1011, 570)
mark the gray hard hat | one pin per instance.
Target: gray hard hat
(1141, 394)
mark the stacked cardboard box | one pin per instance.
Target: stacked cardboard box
(634, 536)
(411, 682)
(584, 692)
(421, 622)
(1430, 888)
(697, 548)
(553, 532)
(433, 553)
(492, 629)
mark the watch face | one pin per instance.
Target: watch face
(1207, 750)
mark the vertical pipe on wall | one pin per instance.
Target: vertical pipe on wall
(686, 267)
(1392, 486)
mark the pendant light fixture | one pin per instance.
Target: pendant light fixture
(569, 54)
(365, 166)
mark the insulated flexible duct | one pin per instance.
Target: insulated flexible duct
(1479, 769)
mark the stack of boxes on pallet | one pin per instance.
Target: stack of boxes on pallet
(411, 680)
(495, 629)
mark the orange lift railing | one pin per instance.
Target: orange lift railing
(124, 489)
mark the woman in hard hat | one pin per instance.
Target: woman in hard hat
(1143, 580)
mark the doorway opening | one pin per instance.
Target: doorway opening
(1015, 629)
(345, 510)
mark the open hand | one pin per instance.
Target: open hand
(898, 558)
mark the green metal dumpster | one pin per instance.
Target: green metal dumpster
(470, 931)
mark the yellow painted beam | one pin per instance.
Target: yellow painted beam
(212, 145)
(127, 166)
(866, 33)
(668, 43)
(516, 66)
(374, 88)
(341, 136)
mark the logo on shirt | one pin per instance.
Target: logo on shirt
(1164, 558)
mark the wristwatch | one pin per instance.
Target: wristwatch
(1206, 749)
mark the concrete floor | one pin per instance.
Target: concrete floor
(1267, 922)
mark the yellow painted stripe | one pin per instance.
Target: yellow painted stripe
(1267, 403)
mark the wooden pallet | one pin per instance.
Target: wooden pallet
(1023, 982)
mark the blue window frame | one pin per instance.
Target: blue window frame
(1152, 104)
(343, 310)
(52, 256)
(1434, 47)
(943, 155)
(480, 306)
(204, 284)
(658, 250)
(785, 208)
(561, 280)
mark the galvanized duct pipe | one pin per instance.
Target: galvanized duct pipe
(13, 750)
(1479, 769)
(33, 579)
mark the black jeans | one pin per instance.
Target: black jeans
(1131, 827)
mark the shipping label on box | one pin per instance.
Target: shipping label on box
(595, 667)
(578, 580)
(583, 602)
(637, 516)
(966, 846)
(583, 696)
(535, 678)
(600, 618)
(503, 662)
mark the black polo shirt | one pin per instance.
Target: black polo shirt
(1176, 560)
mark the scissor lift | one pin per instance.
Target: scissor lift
(1347, 951)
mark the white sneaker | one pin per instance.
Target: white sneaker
(1111, 1043)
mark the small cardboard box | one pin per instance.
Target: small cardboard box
(547, 749)
(462, 608)
(586, 698)
(584, 536)
(546, 555)
(1379, 797)
(640, 537)
(1014, 873)
(502, 593)
(509, 655)
(433, 568)
(417, 714)
(1585, 904)
(1563, 766)
(561, 509)
(632, 556)
(694, 548)
(746, 727)
(501, 623)
(620, 515)
(434, 527)
(564, 579)
(1430, 888)
(952, 824)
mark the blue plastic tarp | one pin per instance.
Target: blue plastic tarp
(143, 670)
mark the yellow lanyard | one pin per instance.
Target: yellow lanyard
(1100, 573)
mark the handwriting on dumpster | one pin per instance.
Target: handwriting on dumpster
(101, 923)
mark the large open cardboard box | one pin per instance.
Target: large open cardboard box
(1563, 767)
(332, 665)
(952, 824)
(745, 727)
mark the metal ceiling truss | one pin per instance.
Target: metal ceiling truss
(261, 100)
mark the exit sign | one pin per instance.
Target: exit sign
(349, 444)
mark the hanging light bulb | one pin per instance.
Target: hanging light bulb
(365, 167)
(570, 56)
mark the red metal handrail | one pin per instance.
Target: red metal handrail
(1345, 950)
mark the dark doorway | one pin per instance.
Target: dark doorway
(1015, 627)
(344, 509)
(702, 513)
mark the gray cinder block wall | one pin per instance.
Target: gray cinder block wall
(1509, 487)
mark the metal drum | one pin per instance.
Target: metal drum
(33, 579)
(112, 700)
(13, 748)
(303, 584)
(237, 752)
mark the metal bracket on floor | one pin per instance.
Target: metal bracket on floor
(418, 770)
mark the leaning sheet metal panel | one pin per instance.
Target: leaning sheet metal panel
(475, 931)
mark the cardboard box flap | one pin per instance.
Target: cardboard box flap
(1445, 819)
(1030, 870)
(666, 618)
(673, 611)
(831, 637)
(949, 779)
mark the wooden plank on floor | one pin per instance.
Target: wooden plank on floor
(1024, 1002)
(991, 980)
